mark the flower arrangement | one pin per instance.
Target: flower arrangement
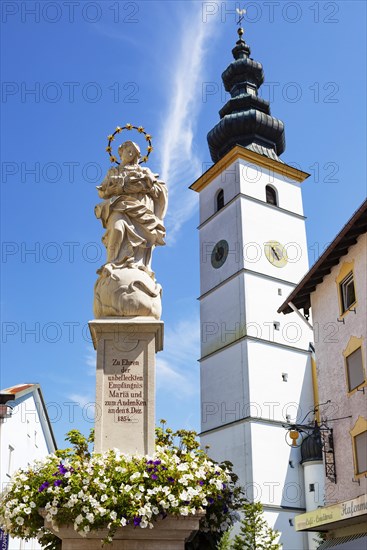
(94, 491)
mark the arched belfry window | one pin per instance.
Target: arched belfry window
(271, 195)
(220, 199)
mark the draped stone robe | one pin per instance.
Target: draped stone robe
(132, 215)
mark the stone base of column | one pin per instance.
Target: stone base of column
(170, 533)
(125, 387)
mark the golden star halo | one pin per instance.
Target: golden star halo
(128, 126)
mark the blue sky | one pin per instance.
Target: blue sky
(95, 65)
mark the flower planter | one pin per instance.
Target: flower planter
(170, 533)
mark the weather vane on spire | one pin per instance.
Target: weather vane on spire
(241, 15)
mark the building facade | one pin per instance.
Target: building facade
(255, 365)
(25, 435)
(336, 290)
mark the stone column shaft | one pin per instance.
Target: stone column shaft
(125, 385)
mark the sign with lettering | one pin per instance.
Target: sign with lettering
(125, 396)
(4, 540)
(330, 514)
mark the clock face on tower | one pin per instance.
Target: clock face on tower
(219, 254)
(275, 253)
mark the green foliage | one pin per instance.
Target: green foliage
(255, 533)
(80, 445)
(181, 440)
(319, 538)
(225, 542)
(92, 491)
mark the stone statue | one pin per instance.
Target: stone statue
(135, 203)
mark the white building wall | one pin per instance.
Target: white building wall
(314, 473)
(247, 379)
(263, 297)
(274, 397)
(224, 387)
(222, 325)
(232, 444)
(278, 226)
(276, 482)
(244, 357)
(281, 522)
(254, 179)
(228, 228)
(261, 459)
(229, 181)
(23, 439)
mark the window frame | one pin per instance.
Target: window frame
(10, 461)
(343, 289)
(360, 427)
(364, 472)
(219, 193)
(273, 190)
(346, 269)
(353, 345)
(350, 389)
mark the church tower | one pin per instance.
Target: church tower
(255, 364)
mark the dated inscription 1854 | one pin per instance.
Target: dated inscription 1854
(126, 391)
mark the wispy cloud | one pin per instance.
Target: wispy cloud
(177, 370)
(180, 165)
(83, 399)
(90, 361)
(88, 396)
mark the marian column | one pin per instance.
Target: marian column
(127, 331)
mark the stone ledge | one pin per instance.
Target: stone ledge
(130, 325)
(168, 534)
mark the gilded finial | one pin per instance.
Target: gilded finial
(241, 15)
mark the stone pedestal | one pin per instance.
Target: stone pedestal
(168, 534)
(125, 389)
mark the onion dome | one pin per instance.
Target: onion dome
(245, 118)
(311, 448)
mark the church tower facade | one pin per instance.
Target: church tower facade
(255, 365)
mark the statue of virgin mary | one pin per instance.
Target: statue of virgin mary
(132, 213)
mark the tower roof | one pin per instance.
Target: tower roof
(245, 118)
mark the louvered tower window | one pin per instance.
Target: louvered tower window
(220, 200)
(271, 195)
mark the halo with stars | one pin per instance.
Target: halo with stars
(120, 129)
